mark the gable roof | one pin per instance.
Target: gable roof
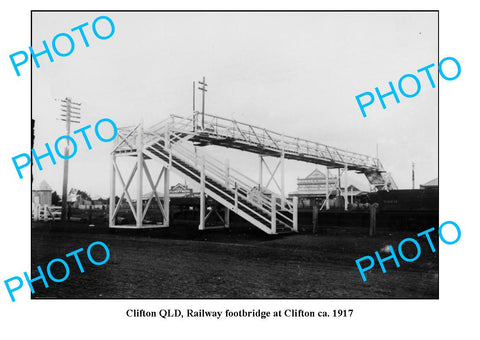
(316, 174)
(432, 183)
(179, 186)
(43, 186)
(147, 195)
(352, 188)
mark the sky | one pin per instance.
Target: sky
(294, 73)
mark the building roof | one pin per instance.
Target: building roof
(179, 187)
(352, 188)
(43, 186)
(430, 184)
(316, 174)
(147, 195)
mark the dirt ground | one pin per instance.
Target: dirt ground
(238, 263)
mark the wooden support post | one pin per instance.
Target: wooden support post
(282, 179)
(166, 179)
(166, 197)
(227, 174)
(260, 173)
(227, 186)
(201, 226)
(274, 214)
(315, 216)
(327, 191)
(139, 211)
(346, 188)
(373, 219)
(111, 214)
(227, 218)
(295, 213)
(236, 197)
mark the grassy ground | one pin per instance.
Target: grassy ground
(235, 264)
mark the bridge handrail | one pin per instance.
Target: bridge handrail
(234, 176)
(254, 134)
(231, 181)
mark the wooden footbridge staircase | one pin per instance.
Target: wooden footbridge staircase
(176, 144)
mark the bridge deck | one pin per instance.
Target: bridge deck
(215, 130)
(230, 133)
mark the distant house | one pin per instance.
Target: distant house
(177, 190)
(180, 190)
(76, 200)
(313, 187)
(433, 184)
(42, 194)
(98, 202)
(354, 191)
(356, 195)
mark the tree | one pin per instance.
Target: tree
(116, 200)
(55, 198)
(84, 195)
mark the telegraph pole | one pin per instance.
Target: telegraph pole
(71, 115)
(193, 94)
(413, 175)
(203, 89)
(194, 115)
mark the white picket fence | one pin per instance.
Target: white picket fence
(46, 212)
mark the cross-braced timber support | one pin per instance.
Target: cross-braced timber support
(272, 177)
(344, 172)
(140, 169)
(170, 143)
(209, 211)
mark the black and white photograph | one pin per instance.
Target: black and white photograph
(236, 170)
(242, 166)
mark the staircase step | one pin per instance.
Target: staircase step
(226, 193)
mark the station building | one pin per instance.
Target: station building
(313, 187)
(42, 194)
